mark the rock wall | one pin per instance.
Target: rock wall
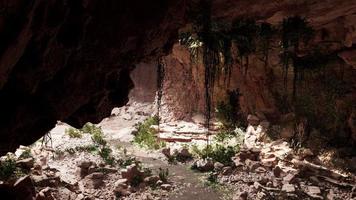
(326, 97)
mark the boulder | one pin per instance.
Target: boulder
(46, 181)
(26, 163)
(151, 180)
(121, 188)
(24, 189)
(131, 172)
(45, 194)
(226, 171)
(314, 191)
(218, 166)
(289, 188)
(277, 171)
(166, 187)
(182, 154)
(204, 165)
(94, 180)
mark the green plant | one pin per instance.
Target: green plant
(224, 135)
(91, 128)
(265, 34)
(86, 148)
(71, 151)
(217, 152)
(98, 138)
(73, 133)
(146, 135)
(163, 174)
(229, 113)
(295, 30)
(7, 167)
(105, 154)
(136, 180)
(244, 34)
(26, 154)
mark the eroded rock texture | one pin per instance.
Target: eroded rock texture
(70, 60)
(326, 96)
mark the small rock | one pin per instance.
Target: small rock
(243, 195)
(131, 172)
(260, 170)
(27, 163)
(218, 166)
(151, 180)
(289, 188)
(314, 191)
(226, 171)
(120, 182)
(45, 194)
(182, 154)
(289, 178)
(159, 182)
(166, 187)
(167, 152)
(277, 171)
(204, 165)
(330, 195)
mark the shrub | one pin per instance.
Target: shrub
(7, 167)
(217, 152)
(105, 154)
(228, 113)
(26, 154)
(163, 174)
(224, 135)
(98, 138)
(146, 136)
(73, 133)
(91, 129)
(87, 148)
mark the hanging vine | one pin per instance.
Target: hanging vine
(244, 34)
(160, 81)
(295, 30)
(265, 34)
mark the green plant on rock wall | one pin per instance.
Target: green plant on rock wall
(295, 31)
(7, 167)
(229, 112)
(265, 35)
(244, 33)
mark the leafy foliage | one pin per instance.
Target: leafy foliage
(74, 133)
(217, 152)
(146, 135)
(105, 153)
(91, 129)
(7, 167)
(229, 113)
(26, 154)
(163, 174)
